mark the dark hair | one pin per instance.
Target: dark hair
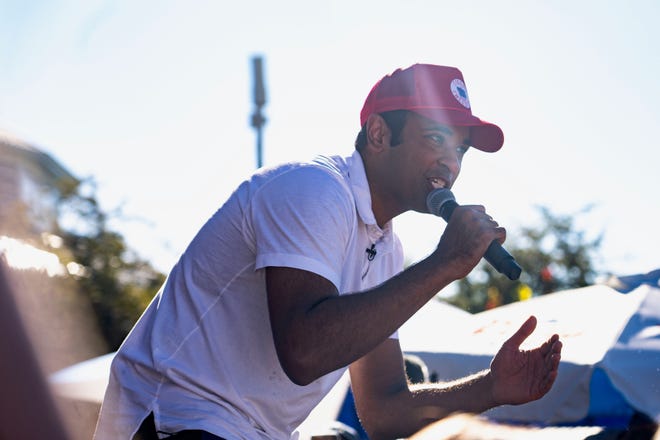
(394, 119)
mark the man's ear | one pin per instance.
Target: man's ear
(378, 133)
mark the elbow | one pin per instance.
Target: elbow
(382, 431)
(298, 376)
(388, 431)
(390, 416)
(381, 426)
(297, 367)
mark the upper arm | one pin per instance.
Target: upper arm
(380, 386)
(301, 245)
(292, 293)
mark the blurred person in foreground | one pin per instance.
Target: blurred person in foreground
(461, 426)
(299, 275)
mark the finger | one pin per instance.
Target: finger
(557, 346)
(549, 346)
(551, 365)
(500, 234)
(552, 359)
(555, 354)
(523, 332)
(479, 208)
(554, 345)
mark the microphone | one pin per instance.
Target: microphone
(441, 202)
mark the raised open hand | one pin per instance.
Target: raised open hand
(520, 376)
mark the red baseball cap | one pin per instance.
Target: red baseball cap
(435, 92)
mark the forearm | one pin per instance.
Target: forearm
(337, 330)
(472, 394)
(412, 410)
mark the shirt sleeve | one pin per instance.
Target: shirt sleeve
(304, 219)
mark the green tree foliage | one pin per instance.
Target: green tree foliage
(118, 283)
(554, 256)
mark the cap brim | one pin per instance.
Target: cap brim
(484, 136)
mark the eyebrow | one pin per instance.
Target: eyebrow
(448, 131)
(443, 128)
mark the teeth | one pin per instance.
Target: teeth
(437, 183)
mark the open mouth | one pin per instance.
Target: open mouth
(437, 183)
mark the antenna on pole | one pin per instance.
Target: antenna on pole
(259, 99)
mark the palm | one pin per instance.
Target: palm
(520, 376)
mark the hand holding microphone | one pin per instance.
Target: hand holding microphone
(441, 202)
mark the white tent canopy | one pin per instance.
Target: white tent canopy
(85, 381)
(601, 329)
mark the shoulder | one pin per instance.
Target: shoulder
(322, 177)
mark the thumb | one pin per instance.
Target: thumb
(523, 332)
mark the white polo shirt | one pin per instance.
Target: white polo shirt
(202, 354)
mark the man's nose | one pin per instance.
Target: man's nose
(452, 161)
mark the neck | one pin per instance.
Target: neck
(383, 211)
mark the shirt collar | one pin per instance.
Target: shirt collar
(360, 188)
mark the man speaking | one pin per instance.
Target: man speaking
(299, 275)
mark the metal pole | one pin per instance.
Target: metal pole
(259, 99)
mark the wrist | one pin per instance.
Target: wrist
(489, 390)
(454, 265)
(438, 273)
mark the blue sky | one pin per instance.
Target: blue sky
(152, 98)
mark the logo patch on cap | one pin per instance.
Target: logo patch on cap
(460, 92)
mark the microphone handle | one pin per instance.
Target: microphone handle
(496, 255)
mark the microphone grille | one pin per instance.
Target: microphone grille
(437, 198)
